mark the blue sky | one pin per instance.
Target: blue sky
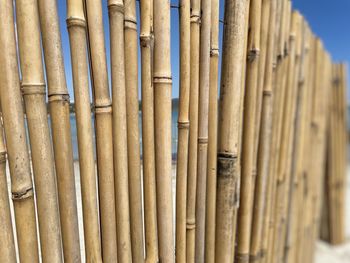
(330, 20)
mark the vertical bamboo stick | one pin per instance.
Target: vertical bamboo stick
(263, 181)
(19, 164)
(162, 100)
(247, 179)
(61, 133)
(7, 249)
(203, 110)
(212, 135)
(229, 124)
(148, 146)
(34, 91)
(116, 22)
(103, 127)
(193, 135)
(183, 132)
(132, 114)
(264, 27)
(77, 34)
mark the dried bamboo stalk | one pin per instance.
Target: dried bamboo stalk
(229, 130)
(162, 82)
(193, 134)
(60, 126)
(212, 135)
(132, 114)
(203, 110)
(116, 25)
(148, 146)
(7, 250)
(183, 132)
(77, 35)
(103, 127)
(19, 163)
(247, 178)
(264, 142)
(34, 91)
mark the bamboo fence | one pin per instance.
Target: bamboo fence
(259, 174)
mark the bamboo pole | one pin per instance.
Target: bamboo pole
(162, 100)
(250, 101)
(148, 146)
(19, 164)
(264, 27)
(34, 91)
(193, 134)
(229, 118)
(203, 110)
(7, 250)
(103, 127)
(77, 35)
(116, 24)
(60, 125)
(183, 132)
(132, 114)
(263, 181)
(212, 135)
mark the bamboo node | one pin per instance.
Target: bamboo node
(190, 223)
(3, 157)
(130, 23)
(256, 257)
(145, 39)
(33, 88)
(253, 55)
(103, 109)
(162, 79)
(214, 51)
(115, 5)
(242, 258)
(195, 17)
(183, 124)
(27, 193)
(59, 97)
(203, 140)
(267, 93)
(75, 21)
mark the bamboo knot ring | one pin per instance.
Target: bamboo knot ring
(75, 21)
(21, 195)
(33, 88)
(202, 140)
(162, 79)
(183, 124)
(59, 97)
(190, 223)
(253, 54)
(115, 5)
(130, 23)
(242, 258)
(2, 156)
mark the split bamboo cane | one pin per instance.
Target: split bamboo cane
(148, 146)
(212, 136)
(77, 35)
(162, 82)
(264, 142)
(19, 164)
(229, 126)
(247, 178)
(203, 110)
(193, 134)
(116, 24)
(7, 250)
(34, 91)
(132, 114)
(183, 132)
(103, 127)
(60, 125)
